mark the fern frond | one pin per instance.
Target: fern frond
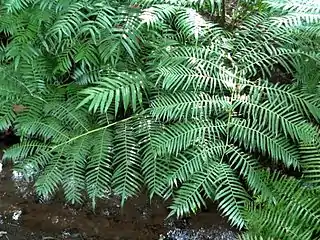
(85, 75)
(154, 168)
(186, 105)
(157, 14)
(69, 22)
(7, 116)
(99, 20)
(197, 68)
(49, 128)
(126, 179)
(75, 170)
(278, 119)
(192, 24)
(50, 179)
(33, 164)
(252, 60)
(299, 6)
(98, 172)
(302, 102)
(231, 195)
(86, 54)
(180, 136)
(189, 196)
(11, 86)
(18, 152)
(120, 87)
(194, 160)
(13, 6)
(310, 162)
(293, 215)
(249, 168)
(217, 182)
(254, 137)
(68, 113)
(298, 19)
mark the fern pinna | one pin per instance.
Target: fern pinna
(293, 213)
(122, 95)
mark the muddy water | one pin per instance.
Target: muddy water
(22, 216)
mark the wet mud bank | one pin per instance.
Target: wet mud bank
(24, 216)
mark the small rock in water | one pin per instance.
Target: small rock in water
(71, 233)
(17, 176)
(16, 215)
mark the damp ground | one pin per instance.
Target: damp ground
(23, 216)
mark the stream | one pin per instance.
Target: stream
(24, 216)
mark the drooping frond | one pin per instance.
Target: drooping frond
(190, 198)
(7, 116)
(154, 167)
(218, 182)
(194, 160)
(302, 102)
(75, 170)
(99, 170)
(296, 6)
(126, 179)
(50, 180)
(231, 195)
(249, 168)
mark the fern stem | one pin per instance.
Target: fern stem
(230, 113)
(223, 13)
(96, 130)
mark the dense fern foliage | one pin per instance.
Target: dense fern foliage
(294, 212)
(174, 96)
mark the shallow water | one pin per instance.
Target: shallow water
(23, 216)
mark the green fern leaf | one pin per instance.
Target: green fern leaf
(120, 87)
(230, 195)
(20, 151)
(126, 179)
(183, 105)
(49, 181)
(310, 162)
(74, 172)
(194, 160)
(154, 168)
(300, 101)
(253, 137)
(180, 136)
(98, 172)
(7, 116)
(276, 118)
(249, 168)
(189, 198)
